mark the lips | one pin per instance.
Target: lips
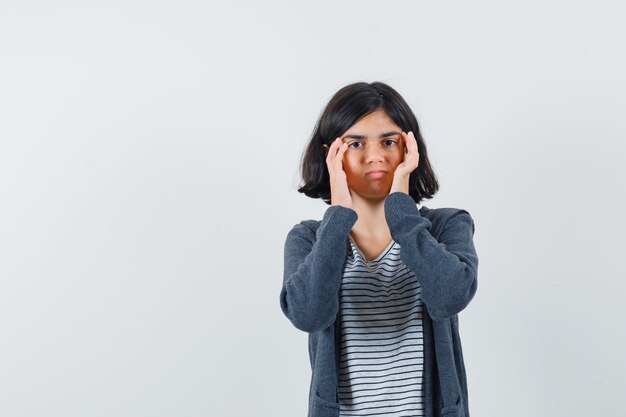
(376, 173)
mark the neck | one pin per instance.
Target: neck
(371, 222)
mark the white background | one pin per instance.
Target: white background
(149, 158)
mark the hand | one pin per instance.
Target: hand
(339, 190)
(409, 164)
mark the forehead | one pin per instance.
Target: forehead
(377, 123)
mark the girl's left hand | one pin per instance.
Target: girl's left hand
(409, 164)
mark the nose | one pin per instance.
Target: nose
(374, 154)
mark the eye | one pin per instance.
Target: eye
(391, 142)
(355, 142)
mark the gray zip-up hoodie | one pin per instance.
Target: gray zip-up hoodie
(436, 244)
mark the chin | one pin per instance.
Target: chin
(369, 192)
(372, 196)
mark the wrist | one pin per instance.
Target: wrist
(400, 183)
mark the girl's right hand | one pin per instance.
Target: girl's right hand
(339, 190)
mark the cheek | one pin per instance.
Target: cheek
(347, 162)
(351, 169)
(398, 158)
(393, 170)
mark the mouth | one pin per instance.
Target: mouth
(377, 173)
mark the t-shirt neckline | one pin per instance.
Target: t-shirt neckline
(376, 259)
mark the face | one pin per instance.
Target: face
(374, 143)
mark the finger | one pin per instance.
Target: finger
(405, 145)
(334, 158)
(411, 142)
(339, 159)
(337, 144)
(414, 148)
(343, 147)
(332, 150)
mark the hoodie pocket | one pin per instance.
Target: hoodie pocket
(453, 411)
(324, 407)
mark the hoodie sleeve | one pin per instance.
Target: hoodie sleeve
(446, 269)
(313, 269)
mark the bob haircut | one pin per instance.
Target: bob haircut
(345, 108)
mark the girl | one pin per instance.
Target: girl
(378, 282)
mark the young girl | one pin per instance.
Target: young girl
(378, 283)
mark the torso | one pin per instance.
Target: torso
(381, 345)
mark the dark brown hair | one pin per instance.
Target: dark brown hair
(344, 109)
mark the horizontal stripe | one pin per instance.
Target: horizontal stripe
(380, 307)
(408, 277)
(399, 383)
(382, 344)
(397, 322)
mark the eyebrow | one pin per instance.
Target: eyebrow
(384, 135)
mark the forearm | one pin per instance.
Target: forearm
(314, 268)
(447, 270)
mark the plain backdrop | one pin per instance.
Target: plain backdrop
(149, 155)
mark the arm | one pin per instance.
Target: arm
(446, 269)
(313, 269)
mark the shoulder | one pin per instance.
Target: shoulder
(337, 221)
(301, 238)
(442, 216)
(305, 229)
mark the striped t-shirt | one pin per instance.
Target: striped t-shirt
(381, 358)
